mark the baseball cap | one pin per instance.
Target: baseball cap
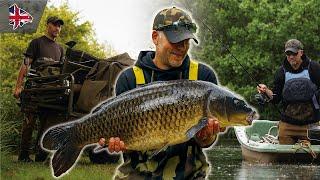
(54, 20)
(176, 25)
(293, 45)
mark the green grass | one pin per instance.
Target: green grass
(12, 169)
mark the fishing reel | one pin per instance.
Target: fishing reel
(261, 99)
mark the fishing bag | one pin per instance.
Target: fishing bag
(100, 81)
(80, 56)
(300, 96)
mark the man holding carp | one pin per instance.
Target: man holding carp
(162, 127)
(172, 30)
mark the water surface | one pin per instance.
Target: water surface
(226, 161)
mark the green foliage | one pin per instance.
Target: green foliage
(255, 33)
(12, 47)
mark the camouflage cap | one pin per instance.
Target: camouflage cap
(55, 20)
(176, 25)
(293, 45)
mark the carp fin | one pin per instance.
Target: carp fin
(65, 158)
(54, 138)
(156, 152)
(59, 140)
(194, 129)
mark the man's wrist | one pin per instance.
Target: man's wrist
(206, 141)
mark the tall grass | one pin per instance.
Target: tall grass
(11, 120)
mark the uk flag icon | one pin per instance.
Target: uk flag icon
(18, 16)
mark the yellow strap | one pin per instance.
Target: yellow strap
(193, 70)
(138, 72)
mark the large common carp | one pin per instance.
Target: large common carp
(146, 118)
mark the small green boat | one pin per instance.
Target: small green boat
(259, 143)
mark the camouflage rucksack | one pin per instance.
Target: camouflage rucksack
(100, 81)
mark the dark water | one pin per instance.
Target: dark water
(227, 163)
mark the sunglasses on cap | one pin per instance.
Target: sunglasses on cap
(177, 26)
(290, 53)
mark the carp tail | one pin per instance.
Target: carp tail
(65, 150)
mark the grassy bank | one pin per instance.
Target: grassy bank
(11, 169)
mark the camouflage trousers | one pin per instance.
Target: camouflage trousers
(135, 175)
(28, 126)
(194, 167)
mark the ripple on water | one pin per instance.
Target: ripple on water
(226, 163)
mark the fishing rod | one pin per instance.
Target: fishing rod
(220, 41)
(265, 97)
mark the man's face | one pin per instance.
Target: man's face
(170, 54)
(53, 29)
(294, 58)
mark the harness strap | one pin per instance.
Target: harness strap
(193, 73)
(138, 73)
(193, 70)
(315, 102)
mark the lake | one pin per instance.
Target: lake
(227, 163)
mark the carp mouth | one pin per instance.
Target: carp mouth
(251, 116)
(241, 118)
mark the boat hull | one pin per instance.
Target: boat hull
(254, 150)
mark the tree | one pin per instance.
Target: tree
(14, 45)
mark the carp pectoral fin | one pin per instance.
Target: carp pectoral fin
(194, 129)
(156, 152)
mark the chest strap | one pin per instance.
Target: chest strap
(193, 70)
(193, 73)
(138, 73)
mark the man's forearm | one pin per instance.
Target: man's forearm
(23, 71)
(21, 75)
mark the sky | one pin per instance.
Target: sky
(125, 25)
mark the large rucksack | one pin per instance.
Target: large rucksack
(100, 81)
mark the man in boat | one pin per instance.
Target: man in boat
(172, 31)
(296, 85)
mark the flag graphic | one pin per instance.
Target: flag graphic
(18, 16)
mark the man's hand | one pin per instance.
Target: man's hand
(102, 142)
(263, 89)
(116, 145)
(17, 92)
(211, 129)
(207, 135)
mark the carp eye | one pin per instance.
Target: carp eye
(238, 102)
